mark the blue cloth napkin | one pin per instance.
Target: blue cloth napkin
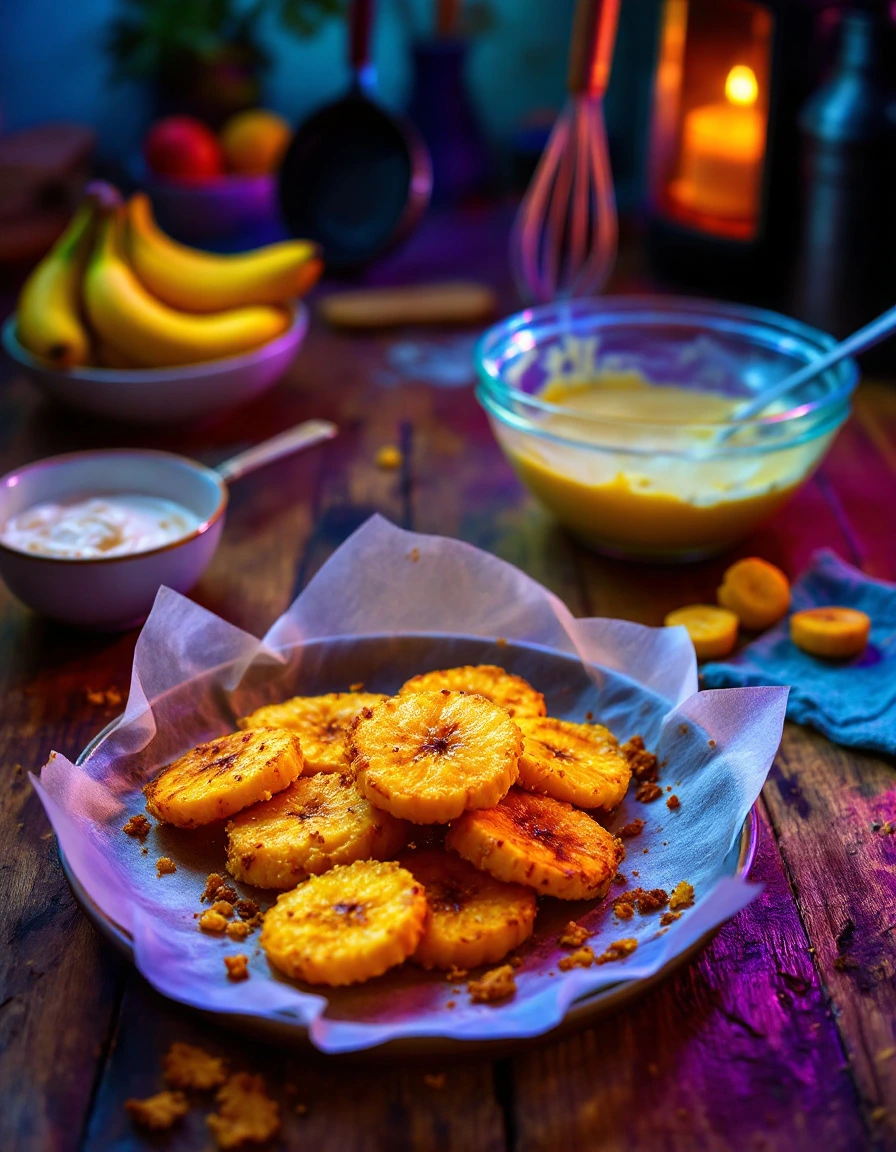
(852, 702)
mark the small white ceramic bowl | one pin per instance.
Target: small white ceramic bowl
(164, 395)
(112, 593)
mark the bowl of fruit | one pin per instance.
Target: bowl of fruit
(122, 321)
(215, 186)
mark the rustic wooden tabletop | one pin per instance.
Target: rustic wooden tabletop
(781, 1036)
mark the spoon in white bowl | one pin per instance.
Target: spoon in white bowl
(866, 337)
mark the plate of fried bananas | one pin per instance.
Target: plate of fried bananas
(406, 844)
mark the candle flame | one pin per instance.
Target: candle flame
(741, 86)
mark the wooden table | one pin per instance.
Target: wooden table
(780, 1037)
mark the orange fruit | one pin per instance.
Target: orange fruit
(757, 593)
(832, 632)
(254, 142)
(713, 631)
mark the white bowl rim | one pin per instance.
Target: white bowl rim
(65, 457)
(296, 329)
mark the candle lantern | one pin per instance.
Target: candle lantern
(723, 171)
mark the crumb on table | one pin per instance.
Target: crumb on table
(455, 974)
(188, 1066)
(573, 935)
(159, 1111)
(668, 918)
(237, 966)
(682, 896)
(497, 984)
(217, 889)
(223, 908)
(211, 921)
(238, 930)
(582, 958)
(165, 866)
(414, 555)
(137, 826)
(246, 1112)
(673, 802)
(632, 829)
(389, 458)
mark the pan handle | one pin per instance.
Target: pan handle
(359, 34)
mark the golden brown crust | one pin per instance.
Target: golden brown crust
(320, 722)
(512, 693)
(579, 763)
(473, 918)
(219, 778)
(541, 842)
(317, 822)
(348, 925)
(428, 756)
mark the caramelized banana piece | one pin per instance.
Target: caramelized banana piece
(320, 722)
(219, 778)
(317, 822)
(579, 763)
(427, 757)
(513, 693)
(473, 918)
(540, 842)
(350, 924)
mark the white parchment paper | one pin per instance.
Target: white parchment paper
(428, 602)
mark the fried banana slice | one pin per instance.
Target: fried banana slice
(429, 756)
(320, 722)
(579, 763)
(473, 918)
(540, 842)
(219, 778)
(317, 822)
(512, 693)
(348, 925)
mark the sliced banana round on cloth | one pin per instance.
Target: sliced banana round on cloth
(473, 918)
(350, 924)
(316, 823)
(579, 763)
(428, 756)
(216, 779)
(543, 843)
(320, 722)
(512, 693)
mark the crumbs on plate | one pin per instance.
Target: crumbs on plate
(573, 935)
(494, 986)
(237, 967)
(165, 866)
(137, 826)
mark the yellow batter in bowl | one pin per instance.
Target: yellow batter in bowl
(637, 469)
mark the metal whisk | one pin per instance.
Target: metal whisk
(563, 242)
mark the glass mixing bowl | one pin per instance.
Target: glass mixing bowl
(632, 477)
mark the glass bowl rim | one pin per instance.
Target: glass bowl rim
(649, 311)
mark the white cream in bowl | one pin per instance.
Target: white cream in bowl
(98, 526)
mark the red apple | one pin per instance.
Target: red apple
(183, 149)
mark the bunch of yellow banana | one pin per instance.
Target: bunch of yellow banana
(117, 291)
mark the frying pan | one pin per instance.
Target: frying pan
(356, 178)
